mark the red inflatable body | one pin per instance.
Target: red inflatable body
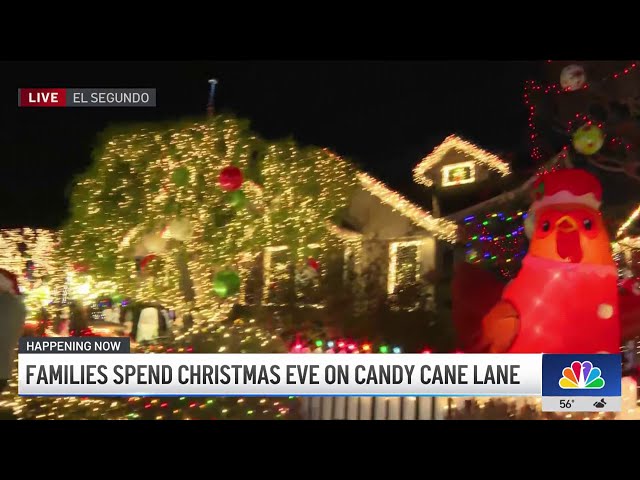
(565, 307)
(565, 297)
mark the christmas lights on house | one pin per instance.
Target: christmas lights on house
(496, 238)
(453, 142)
(440, 227)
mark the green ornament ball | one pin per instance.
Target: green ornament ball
(237, 199)
(226, 283)
(588, 139)
(180, 176)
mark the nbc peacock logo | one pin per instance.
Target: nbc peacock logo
(581, 375)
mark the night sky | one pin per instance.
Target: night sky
(384, 115)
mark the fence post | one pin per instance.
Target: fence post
(366, 408)
(424, 408)
(316, 408)
(409, 408)
(339, 408)
(327, 408)
(379, 408)
(394, 405)
(353, 405)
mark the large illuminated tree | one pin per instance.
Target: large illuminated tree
(164, 215)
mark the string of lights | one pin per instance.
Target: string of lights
(240, 337)
(440, 227)
(628, 222)
(497, 239)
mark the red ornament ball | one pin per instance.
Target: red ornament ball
(313, 263)
(230, 178)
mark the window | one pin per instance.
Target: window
(458, 174)
(277, 284)
(404, 273)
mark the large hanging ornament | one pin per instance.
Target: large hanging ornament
(181, 229)
(237, 199)
(572, 78)
(226, 283)
(230, 178)
(154, 243)
(588, 139)
(180, 176)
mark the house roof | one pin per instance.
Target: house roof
(453, 142)
(441, 227)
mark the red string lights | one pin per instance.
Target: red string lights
(531, 88)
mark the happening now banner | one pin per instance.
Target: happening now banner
(105, 367)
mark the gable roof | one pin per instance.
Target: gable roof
(453, 142)
(441, 227)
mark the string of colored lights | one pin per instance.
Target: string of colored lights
(453, 142)
(341, 345)
(486, 244)
(240, 337)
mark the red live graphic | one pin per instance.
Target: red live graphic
(42, 97)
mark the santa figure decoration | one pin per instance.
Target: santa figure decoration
(565, 297)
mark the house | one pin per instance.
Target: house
(462, 203)
(411, 230)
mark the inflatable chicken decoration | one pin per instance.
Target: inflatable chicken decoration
(565, 297)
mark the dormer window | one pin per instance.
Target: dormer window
(458, 174)
(458, 162)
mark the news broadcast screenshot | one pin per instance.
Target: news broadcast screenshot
(316, 240)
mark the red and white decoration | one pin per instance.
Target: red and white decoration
(572, 78)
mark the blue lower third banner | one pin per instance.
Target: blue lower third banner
(582, 383)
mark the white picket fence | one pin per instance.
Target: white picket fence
(393, 408)
(374, 408)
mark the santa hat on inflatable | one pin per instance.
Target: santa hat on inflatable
(8, 282)
(561, 187)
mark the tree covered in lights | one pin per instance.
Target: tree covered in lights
(179, 213)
